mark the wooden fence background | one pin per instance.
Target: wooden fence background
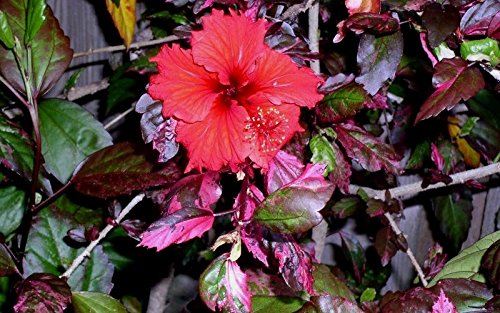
(87, 24)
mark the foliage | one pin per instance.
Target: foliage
(248, 158)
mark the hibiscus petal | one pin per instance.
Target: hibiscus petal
(218, 140)
(269, 128)
(280, 80)
(187, 90)
(228, 45)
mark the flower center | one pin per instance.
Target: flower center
(268, 129)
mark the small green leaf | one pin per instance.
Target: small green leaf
(13, 202)
(69, 135)
(6, 35)
(7, 264)
(325, 283)
(453, 214)
(322, 152)
(342, 103)
(420, 154)
(34, 19)
(72, 80)
(481, 50)
(94, 302)
(347, 207)
(368, 295)
(467, 263)
(468, 126)
(485, 104)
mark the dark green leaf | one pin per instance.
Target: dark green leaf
(124, 87)
(50, 49)
(122, 168)
(329, 153)
(6, 36)
(453, 213)
(13, 203)
(7, 264)
(467, 263)
(47, 250)
(16, 151)
(355, 254)
(94, 302)
(420, 154)
(468, 126)
(440, 22)
(490, 264)
(347, 207)
(386, 245)
(451, 156)
(295, 208)
(42, 292)
(485, 104)
(72, 80)
(325, 283)
(34, 19)
(378, 58)
(69, 135)
(342, 103)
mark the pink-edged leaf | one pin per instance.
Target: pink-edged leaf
(7, 264)
(120, 169)
(224, 286)
(477, 19)
(443, 304)
(378, 59)
(42, 293)
(440, 22)
(330, 304)
(283, 168)
(342, 103)
(386, 245)
(247, 201)
(50, 49)
(295, 264)
(253, 238)
(436, 157)
(355, 253)
(494, 27)
(177, 227)
(374, 23)
(372, 154)
(435, 260)
(455, 81)
(326, 152)
(295, 207)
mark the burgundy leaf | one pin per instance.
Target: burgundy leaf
(295, 264)
(330, 304)
(455, 81)
(247, 201)
(295, 207)
(7, 264)
(443, 304)
(265, 284)
(385, 244)
(477, 19)
(42, 293)
(224, 286)
(378, 59)
(335, 82)
(432, 176)
(283, 168)
(50, 50)
(377, 24)
(341, 174)
(134, 228)
(436, 157)
(435, 261)
(490, 263)
(356, 6)
(378, 101)
(77, 234)
(372, 154)
(177, 227)
(120, 169)
(375, 207)
(253, 238)
(494, 27)
(347, 207)
(342, 103)
(151, 116)
(354, 253)
(440, 22)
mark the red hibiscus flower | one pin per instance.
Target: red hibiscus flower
(232, 95)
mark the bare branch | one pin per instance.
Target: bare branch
(296, 9)
(86, 253)
(411, 190)
(80, 92)
(314, 34)
(135, 45)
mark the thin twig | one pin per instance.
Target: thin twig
(314, 34)
(135, 45)
(14, 91)
(86, 253)
(411, 190)
(296, 9)
(118, 118)
(80, 92)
